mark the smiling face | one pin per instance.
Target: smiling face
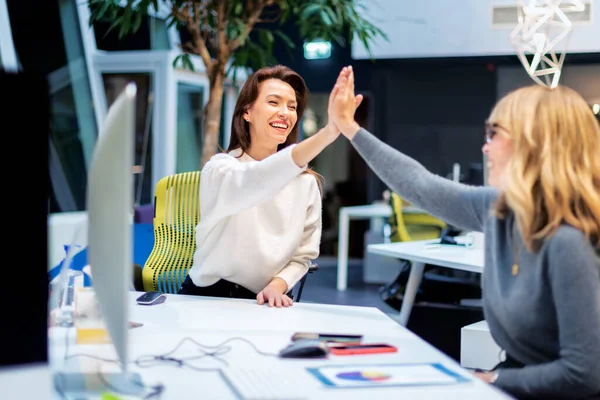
(498, 147)
(502, 128)
(273, 115)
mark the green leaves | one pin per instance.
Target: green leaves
(310, 10)
(248, 43)
(183, 61)
(334, 20)
(339, 20)
(285, 38)
(235, 27)
(127, 19)
(257, 51)
(266, 38)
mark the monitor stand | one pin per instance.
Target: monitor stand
(84, 384)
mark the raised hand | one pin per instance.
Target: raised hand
(343, 103)
(336, 88)
(331, 128)
(310, 147)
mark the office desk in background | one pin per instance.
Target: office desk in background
(449, 256)
(369, 211)
(211, 321)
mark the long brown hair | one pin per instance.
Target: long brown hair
(553, 176)
(240, 128)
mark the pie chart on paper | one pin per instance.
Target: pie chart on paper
(364, 376)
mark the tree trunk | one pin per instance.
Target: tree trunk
(212, 116)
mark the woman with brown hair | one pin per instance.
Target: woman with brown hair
(260, 206)
(541, 219)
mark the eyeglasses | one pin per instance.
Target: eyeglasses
(490, 131)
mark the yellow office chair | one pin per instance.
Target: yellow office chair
(408, 227)
(438, 285)
(176, 214)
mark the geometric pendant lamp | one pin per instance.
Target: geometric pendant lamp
(541, 37)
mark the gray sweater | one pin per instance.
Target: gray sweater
(548, 315)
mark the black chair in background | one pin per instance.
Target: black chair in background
(296, 297)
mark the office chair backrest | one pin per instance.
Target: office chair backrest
(176, 215)
(407, 227)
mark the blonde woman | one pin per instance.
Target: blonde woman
(541, 219)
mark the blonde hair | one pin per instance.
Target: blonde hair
(553, 176)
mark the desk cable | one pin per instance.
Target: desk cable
(215, 352)
(146, 361)
(154, 390)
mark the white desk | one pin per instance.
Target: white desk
(457, 257)
(370, 211)
(16, 382)
(211, 321)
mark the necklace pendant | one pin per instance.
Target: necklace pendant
(515, 269)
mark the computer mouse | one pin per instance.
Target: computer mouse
(305, 348)
(151, 298)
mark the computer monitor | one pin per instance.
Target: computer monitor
(110, 219)
(109, 206)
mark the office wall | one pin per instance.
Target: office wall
(450, 28)
(583, 78)
(434, 113)
(432, 110)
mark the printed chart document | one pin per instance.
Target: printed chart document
(380, 375)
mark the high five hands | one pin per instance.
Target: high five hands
(343, 103)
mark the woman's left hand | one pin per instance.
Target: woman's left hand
(274, 294)
(488, 377)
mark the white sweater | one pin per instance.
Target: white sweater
(258, 220)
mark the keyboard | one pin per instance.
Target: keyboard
(262, 384)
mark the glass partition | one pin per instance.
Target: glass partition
(190, 133)
(58, 53)
(114, 83)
